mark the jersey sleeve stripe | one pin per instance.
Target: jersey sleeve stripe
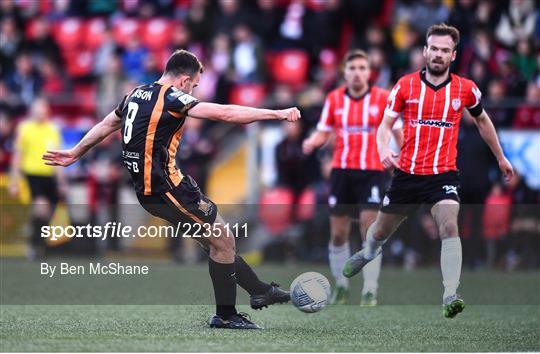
(477, 96)
(175, 114)
(150, 135)
(323, 127)
(391, 113)
(323, 122)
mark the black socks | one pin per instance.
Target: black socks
(224, 282)
(247, 279)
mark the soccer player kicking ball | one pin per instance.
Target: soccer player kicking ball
(432, 102)
(353, 112)
(152, 119)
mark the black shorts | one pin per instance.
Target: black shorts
(184, 204)
(43, 186)
(408, 192)
(353, 190)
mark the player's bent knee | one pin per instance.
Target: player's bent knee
(339, 230)
(448, 230)
(224, 243)
(376, 231)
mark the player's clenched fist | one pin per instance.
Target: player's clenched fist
(388, 158)
(290, 114)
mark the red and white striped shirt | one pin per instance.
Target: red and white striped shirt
(355, 123)
(431, 117)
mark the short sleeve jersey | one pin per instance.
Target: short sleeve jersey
(355, 123)
(431, 118)
(153, 118)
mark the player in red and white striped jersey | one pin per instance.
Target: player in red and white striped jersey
(353, 112)
(432, 102)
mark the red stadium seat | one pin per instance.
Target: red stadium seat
(125, 29)
(79, 63)
(68, 33)
(290, 67)
(156, 33)
(248, 95)
(306, 205)
(94, 33)
(275, 209)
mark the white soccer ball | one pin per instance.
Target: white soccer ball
(310, 292)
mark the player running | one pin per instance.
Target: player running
(432, 102)
(152, 118)
(353, 112)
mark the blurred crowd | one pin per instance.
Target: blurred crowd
(83, 56)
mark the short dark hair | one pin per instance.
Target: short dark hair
(442, 29)
(183, 62)
(354, 54)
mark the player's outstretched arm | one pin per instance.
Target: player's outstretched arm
(241, 114)
(99, 132)
(317, 139)
(489, 134)
(384, 133)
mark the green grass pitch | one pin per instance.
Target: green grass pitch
(502, 314)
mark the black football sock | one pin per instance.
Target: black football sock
(247, 279)
(224, 282)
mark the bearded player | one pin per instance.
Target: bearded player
(352, 112)
(152, 118)
(432, 102)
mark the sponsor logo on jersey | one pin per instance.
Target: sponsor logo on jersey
(182, 96)
(130, 154)
(414, 100)
(430, 123)
(450, 189)
(186, 99)
(357, 129)
(175, 93)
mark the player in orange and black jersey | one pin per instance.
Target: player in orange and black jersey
(149, 143)
(151, 118)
